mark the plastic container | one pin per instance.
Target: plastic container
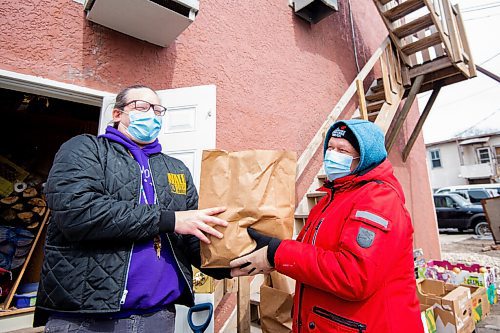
(25, 300)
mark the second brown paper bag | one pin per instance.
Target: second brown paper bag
(258, 189)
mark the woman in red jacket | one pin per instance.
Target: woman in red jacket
(353, 260)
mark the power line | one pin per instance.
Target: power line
(482, 5)
(479, 8)
(466, 97)
(480, 17)
(490, 58)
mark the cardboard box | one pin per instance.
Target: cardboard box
(479, 302)
(452, 305)
(474, 274)
(427, 315)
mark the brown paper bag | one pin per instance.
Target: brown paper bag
(276, 300)
(258, 189)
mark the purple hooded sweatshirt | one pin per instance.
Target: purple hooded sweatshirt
(152, 283)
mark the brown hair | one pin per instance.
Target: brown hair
(121, 98)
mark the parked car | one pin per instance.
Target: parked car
(475, 195)
(483, 191)
(453, 211)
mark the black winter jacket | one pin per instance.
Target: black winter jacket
(93, 191)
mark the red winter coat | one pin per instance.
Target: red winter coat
(353, 260)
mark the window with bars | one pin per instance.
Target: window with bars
(435, 158)
(483, 155)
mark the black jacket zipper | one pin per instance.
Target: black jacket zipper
(339, 320)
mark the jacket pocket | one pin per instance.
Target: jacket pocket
(62, 278)
(321, 320)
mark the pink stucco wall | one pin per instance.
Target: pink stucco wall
(277, 77)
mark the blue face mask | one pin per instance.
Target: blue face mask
(144, 126)
(337, 165)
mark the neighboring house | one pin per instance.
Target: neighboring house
(471, 157)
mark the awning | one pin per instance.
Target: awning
(475, 140)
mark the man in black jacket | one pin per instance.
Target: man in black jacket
(124, 229)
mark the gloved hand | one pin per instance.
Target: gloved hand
(260, 260)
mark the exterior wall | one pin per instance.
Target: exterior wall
(414, 178)
(449, 172)
(277, 77)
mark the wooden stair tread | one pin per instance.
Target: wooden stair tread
(403, 9)
(378, 87)
(384, 2)
(422, 44)
(413, 26)
(377, 96)
(255, 298)
(316, 194)
(374, 106)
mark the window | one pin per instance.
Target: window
(435, 159)
(444, 202)
(477, 195)
(483, 155)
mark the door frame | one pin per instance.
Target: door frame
(50, 88)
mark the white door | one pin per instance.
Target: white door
(188, 126)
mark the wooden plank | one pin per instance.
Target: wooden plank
(386, 114)
(414, 26)
(16, 311)
(377, 86)
(420, 123)
(10, 296)
(492, 211)
(362, 101)
(405, 76)
(317, 140)
(426, 56)
(465, 43)
(390, 26)
(375, 106)
(392, 65)
(422, 44)
(433, 66)
(243, 304)
(438, 48)
(401, 117)
(403, 9)
(218, 292)
(399, 79)
(385, 78)
(30, 330)
(378, 96)
(413, 57)
(456, 53)
(437, 23)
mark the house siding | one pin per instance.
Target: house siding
(277, 76)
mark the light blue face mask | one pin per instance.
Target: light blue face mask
(144, 126)
(337, 165)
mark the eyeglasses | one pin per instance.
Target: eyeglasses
(144, 106)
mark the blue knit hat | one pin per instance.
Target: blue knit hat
(370, 139)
